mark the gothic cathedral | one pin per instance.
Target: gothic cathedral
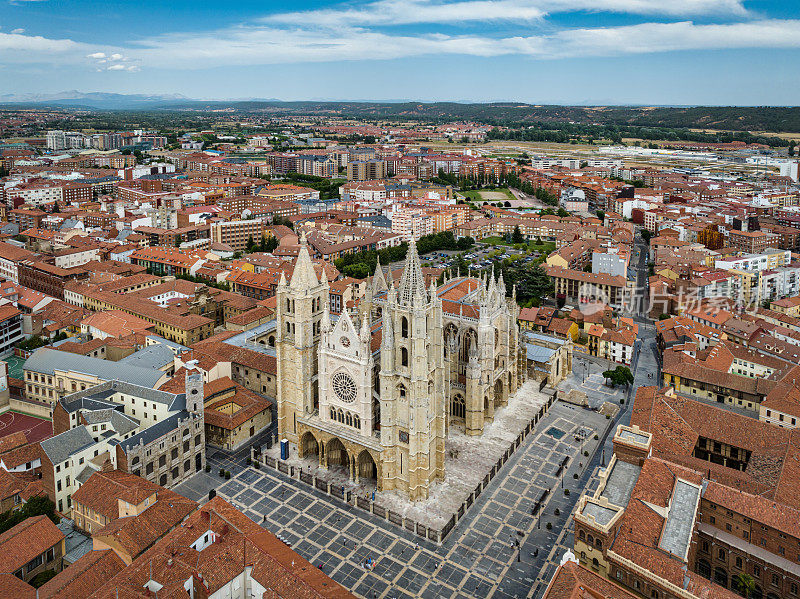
(378, 390)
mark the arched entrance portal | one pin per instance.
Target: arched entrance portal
(367, 470)
(498, 393)
(337, 454)
(308, 446)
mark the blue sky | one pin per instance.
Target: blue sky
(540, 51)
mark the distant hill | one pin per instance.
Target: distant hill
(734, 118)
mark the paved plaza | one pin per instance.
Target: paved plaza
(478, 559)
(468, 459)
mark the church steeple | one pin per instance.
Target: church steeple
(303, 276)
(378, 280)
(412, 283)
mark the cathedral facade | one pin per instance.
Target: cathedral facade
(378, 390)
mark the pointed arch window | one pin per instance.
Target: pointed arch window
(403, 356)
(404, 327)
(402, 391)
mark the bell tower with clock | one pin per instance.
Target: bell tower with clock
(345, 374)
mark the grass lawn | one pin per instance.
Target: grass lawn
(488, 195)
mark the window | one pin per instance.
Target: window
(654, 594)
(738, 562)
(174, 453)
(756, 570)
(403, 356)
(33, 564)
(162, 461)
(721, 554)
(404, 327)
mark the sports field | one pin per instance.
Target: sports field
(15, 364)
(35, 429)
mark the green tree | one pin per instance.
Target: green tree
(745, 583)
(601, 215)
(517, 236)
(42, 577)
(357, 271)
(56, 208)
(646, 235)
(272, 243)
(250, 243)
(562, 213)
(621, 375)
(531, 282)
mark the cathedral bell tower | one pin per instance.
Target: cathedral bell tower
(299, 311)
(412, 384)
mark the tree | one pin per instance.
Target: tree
(745, 583)
(464, 243)
(646, 235)
(250, 243)
(357, 271)
(39, 505)
(41, 578)
(517, 236)
(562, 213)
(621, 375)
(601, 215)
(56, 208)
(531, 282)
(272, 243)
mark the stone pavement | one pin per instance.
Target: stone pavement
(478, 559)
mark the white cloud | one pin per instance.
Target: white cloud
(272, 45)
(115, 56)
(97, 55)
(403, 12)
(16, 47)
(19, 30)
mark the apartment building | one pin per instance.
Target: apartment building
(236, 233)
(366, 170)
(577, 286)
(753, 242)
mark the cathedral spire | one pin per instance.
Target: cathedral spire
(412, 283)
(303, 276)
(365, 332)
(378, 280)
(325, 326)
